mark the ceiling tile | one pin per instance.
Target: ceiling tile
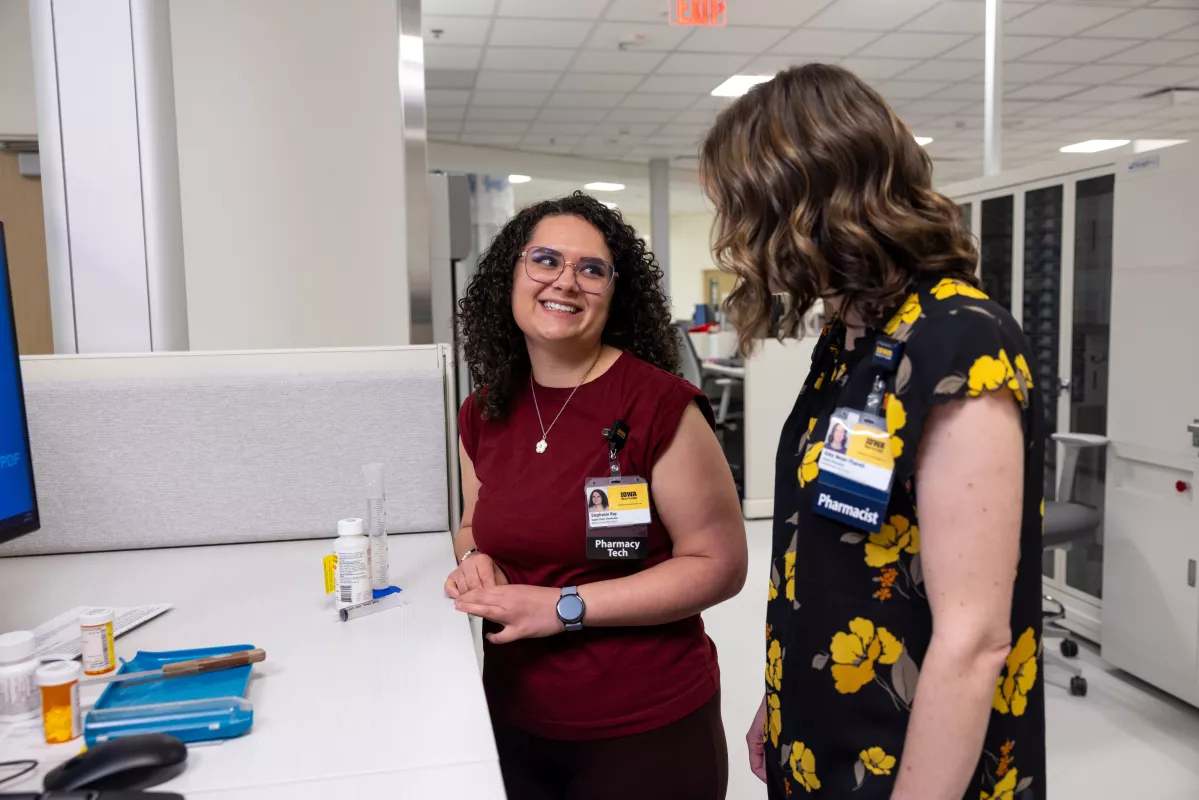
(880, 68)
(575, 9)
(526, 58)
(1108, 94)
(1099, 73)
(942, 70)
(684, 84)
(1159, 52)
(491, 140)
(542, 128)
(487, 112)
(498, 79)
(450, 78)
(549, 140)
(700, 115)
(873, 15)
(769, 65)
(772, 12)
(1079, 51)
(437, 126)
(479, 8)
(598, 82)
(937, 107)
(1055, 19)
(961, 91)
(1043, 91)
(444, 113)
(623, 62)
(630, 129)
(1163, 77)
(527, 34)
(715, 103)
(806, 42)
(640, 115)
(510, 99)
(1148, 23)
(961, 16)
(636, 38)
(675, 101)
(913, 45)
(1024, 72)
(491, 126)
(585, 99)
(637, 11)
(571, 115)
(681, 130)
(1190, 34)
(1013, 47)
(723, 64)
(455, 30)
(448, 97)
(1190, 62)
(443, 56)
(909, 90)
(733, 40)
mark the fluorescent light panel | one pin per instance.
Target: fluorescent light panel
(923, 140)
(519, 179)
(600, 186)
(1094, 145)
(739, 85)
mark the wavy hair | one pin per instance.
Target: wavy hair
(820, 190)
(493, 344)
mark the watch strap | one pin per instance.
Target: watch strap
(571, 625)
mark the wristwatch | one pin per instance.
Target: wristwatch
(571, 609)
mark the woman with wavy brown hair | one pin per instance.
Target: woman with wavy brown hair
(902, 649)
(599, 676)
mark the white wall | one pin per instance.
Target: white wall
(291, 172)
(18, 113)
(689, 257)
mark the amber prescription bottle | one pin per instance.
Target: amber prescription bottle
(59, 683)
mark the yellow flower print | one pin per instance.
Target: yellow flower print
(1024, 372)
(988, 374)
(1020, 675)
(897, 417)
(774, 591)
(840, 372)
(877, 761)
(1005, 789)
(883, 548)
(855, 653)
(774, 718)
(774, 665)
(803, 766)
(1005, 763)
(811, 466)
(789, 574)
(909, 312)
(948, 287)
(819, 382)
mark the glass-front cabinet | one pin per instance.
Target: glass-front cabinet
(1046, 255)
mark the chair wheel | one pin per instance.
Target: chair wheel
(1069, 648)
(1078, 686)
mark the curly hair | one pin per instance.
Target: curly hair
(820, 189)
(639, 320)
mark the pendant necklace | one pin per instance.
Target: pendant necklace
(545, 432)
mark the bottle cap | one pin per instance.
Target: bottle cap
(350, 527)
(57, 673)
(91, 617)
(16, 646)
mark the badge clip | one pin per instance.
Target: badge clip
(617, 435)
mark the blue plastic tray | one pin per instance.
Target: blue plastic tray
(209, 685)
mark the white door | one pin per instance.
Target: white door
(1151, 602)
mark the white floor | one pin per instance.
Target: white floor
(1123, 740)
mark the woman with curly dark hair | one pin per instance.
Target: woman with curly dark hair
(600, 679)
(902, 648)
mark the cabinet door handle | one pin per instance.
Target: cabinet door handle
(1191, 573)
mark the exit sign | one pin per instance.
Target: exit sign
(698, 12)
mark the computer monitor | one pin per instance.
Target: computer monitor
(18, 498)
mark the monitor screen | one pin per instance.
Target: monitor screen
(18, 499)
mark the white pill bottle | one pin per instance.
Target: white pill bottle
(353, 563)
(19, 698)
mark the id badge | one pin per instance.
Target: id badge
(856, 469)
(618, 517)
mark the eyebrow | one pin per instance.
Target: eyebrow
(559, 253)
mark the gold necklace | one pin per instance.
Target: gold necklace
(545, 432)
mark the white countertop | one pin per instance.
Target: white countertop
(391, 704)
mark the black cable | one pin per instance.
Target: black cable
(29, 766)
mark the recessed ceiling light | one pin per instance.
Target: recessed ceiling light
(611, 205)
(923, 140)
(1094, 145)
(519, 179)
(739, 85)
(600, 186)
(1145, 145)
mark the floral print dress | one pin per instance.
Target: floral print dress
(848, 620)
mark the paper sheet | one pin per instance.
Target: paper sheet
(60, 636)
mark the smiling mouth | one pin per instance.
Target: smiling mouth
(552, 305)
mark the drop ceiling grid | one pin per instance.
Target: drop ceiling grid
(924, 59)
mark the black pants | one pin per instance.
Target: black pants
(686, 760)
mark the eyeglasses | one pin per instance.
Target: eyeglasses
(592, 275)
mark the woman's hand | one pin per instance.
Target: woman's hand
(526, 612)
(476, 572)
(756, 740)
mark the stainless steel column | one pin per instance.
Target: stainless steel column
(993, 100)
(659, 215)
(416, 168)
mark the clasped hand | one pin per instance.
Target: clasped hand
(525, 612)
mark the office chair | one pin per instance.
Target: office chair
(1065, 523)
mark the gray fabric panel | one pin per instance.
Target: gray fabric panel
(173, 462)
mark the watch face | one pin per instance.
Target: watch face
(570, 608)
